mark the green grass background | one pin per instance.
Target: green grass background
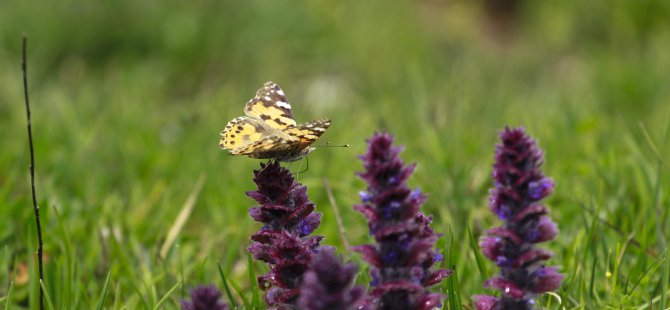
(128, 98)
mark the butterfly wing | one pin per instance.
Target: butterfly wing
(308, 132)
(273, 146)
(271, 106)
(241, 132)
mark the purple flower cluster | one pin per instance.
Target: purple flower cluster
(283, 243)
(404, 254)
(305, 275)
(327, 284)
(204, 298)
(519, 185)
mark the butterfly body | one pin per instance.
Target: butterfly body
(269, 130)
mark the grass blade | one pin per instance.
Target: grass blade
(167, 295)
(453, 289)
(8, 298)
(255, 295)
(664, 280)
(103, 294)
(182, 217)
(481, 264)
(226, 288)
(238, 290)
(47, 296)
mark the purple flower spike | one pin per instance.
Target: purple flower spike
(404, 254)
(327, 285)
(519, 185)
(204, 298)
(283, 242)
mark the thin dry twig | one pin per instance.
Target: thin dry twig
(338, 218)
(36, 208)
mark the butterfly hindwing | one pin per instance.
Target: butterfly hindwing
(271, 106)
(271, 146)
(308, 132)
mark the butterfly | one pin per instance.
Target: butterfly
(269, 130)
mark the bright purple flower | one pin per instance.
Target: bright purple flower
(540, 189)
(404, 253)
(204, 298)
(283, 241)
(519, 185)
(365, 197)
(327, 285)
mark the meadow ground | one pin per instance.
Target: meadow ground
(128, 98)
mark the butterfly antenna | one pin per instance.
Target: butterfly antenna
(328, 145)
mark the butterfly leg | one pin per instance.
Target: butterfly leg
(297, 172)
(306, 159)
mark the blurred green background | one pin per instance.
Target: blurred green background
(128, 98)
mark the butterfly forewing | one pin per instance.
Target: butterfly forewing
(271, 106)
(242, 131)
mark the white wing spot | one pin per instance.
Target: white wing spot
(283, 104)
(267, 98)
(280, 92)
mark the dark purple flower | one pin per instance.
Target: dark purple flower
(284, 204)
(485, 302)
(404, 253)
(204, 298)
(547, 279)
(519, 185)
(283, 242)
(328, 284)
